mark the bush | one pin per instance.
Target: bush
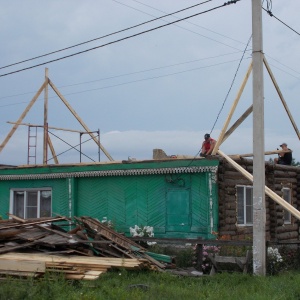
(274, 261)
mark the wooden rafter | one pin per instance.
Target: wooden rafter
(12, 131)
(281, 97)
(52, 149)
(225, 134)
(266, 153)
(46, 141)
(79, 119)
(233, 107)
(237, 123)
(49, 127)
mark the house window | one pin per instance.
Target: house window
(286, 195)
(244, 205)
(31, 203)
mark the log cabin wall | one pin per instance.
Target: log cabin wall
(277, 178)
(285, 177)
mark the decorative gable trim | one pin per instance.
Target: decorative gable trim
(129, 172)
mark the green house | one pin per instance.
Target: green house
(177, 197)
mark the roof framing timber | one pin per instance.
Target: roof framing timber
(47, 141)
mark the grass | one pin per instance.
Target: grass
(151, 285)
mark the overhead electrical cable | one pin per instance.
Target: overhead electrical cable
(135, 81)
(283, 66)
(152, 69)
(186, 29)
(272, 15)
(129, 82)
(148, 70)
(104, 36)
(122, 39)
(186, 21)
(233, 80)
(128, 74)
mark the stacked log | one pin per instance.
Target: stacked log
(228, 178)
(285, 177)
(298, 188)
(276, 177)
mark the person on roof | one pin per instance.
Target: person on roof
(207, 145)
(284, 158)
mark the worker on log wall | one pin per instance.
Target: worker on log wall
(284, 158)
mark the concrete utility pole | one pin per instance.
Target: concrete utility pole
(259, 214)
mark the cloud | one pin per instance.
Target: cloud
(140, 144)
(168, 107)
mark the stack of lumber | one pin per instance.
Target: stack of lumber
(73, 267)
(82, 248)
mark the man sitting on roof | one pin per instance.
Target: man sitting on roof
(207, 145)
(284, 158)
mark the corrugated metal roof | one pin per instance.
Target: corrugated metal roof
(128, 172)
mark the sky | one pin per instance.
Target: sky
(164, 88)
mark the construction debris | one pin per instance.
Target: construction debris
(82, 248)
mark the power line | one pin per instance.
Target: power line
(128, 74)
(122, 39)
(104, 36)
(285, 67)
(135, 81)
(272, 15)
(148, 70)
(187, 22)
(231, 84)
(189, 30)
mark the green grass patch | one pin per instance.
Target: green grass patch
(152, 285)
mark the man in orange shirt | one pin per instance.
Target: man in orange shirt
(207, 145)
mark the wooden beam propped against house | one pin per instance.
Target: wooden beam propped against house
(233, 107)
(237, 123)
(281, 97)
(225, 134)
(268, 191)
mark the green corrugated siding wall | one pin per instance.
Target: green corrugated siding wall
(132, 199)
(141, 200)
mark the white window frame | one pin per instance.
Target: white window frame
(287, 216)
(26, 190)
(246, 207)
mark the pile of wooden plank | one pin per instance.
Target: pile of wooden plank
(82, 248)
(72, 266)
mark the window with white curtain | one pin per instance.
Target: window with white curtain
(244, 205)
(286, 195)
(31, 203)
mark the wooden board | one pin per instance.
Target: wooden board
(24, 266)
